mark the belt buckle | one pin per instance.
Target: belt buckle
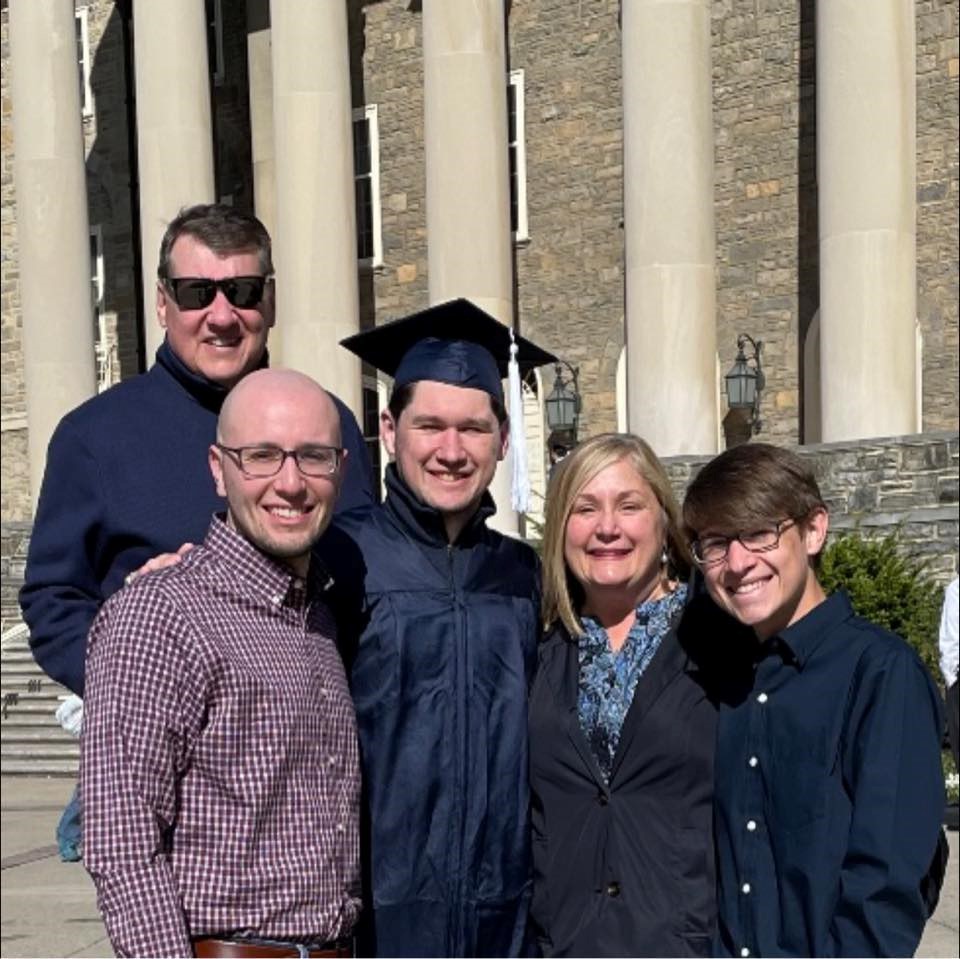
(302, 951)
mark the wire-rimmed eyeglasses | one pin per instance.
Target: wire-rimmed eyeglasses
(261, 462)
(710, 550)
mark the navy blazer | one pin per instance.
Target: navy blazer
(626, 868)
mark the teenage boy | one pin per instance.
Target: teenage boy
(829, 788)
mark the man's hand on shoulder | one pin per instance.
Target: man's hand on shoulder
(158, 562)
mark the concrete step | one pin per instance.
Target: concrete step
(34, 708)
(18, 654)
(32, 743)
(11, 703)
(45, 747)
(18, 670)
(10, 733)
(24, 686)
(28, 691)
(17, 667)
(42, 767)
(14, 725)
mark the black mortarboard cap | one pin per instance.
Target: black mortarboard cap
(453, 342)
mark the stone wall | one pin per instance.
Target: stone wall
(902, 484)
(938, 172)
(570, 270)
(387, 67)
(14, 491)
(14, 538)
(765, 199)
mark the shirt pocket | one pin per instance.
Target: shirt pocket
(798, 787)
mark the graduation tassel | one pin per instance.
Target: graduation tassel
(520, 481)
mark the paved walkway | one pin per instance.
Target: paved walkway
(49, 907)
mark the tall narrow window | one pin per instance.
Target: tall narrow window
(215, 40)
(83, 62)
(105, 353)
(366, 175)
(374, 400)
(535, 433)
(518, 156)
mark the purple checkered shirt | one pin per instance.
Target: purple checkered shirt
(219, 770)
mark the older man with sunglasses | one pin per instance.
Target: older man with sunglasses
(126, 475)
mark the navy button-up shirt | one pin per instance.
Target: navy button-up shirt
(829, 793)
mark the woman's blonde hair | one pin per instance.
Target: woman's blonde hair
(562, 594)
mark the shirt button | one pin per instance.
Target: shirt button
(745, 889)
(613, 889)
(752, 761)
(762, 698)
(602, 799)
(751, 825)
(744, 952)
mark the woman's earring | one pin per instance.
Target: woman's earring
(663, 556)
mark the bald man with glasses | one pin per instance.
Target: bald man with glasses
(220, 765)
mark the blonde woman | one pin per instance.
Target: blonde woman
(622, 718)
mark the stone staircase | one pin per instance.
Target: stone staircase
(31, 740)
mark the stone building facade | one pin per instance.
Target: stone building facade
(569, 261)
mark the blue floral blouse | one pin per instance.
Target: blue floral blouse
(608, 680)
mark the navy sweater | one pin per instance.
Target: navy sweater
(127, 478)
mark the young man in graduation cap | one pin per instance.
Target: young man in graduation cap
(443, 645)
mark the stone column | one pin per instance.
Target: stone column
(260, 90)
(315, 252)
(866, 173)
(53, 234)
(174, 131)
(467, 166)
(668, 225)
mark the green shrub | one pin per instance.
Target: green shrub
(888, 588)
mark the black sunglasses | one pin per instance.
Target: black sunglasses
(197, 292)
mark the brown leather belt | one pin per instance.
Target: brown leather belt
(255, 948)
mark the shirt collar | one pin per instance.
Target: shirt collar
(273, 580)
(798, 642)
(425, 522)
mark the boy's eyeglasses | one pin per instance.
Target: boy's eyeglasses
(713, 549)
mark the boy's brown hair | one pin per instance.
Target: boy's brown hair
(748, 486)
